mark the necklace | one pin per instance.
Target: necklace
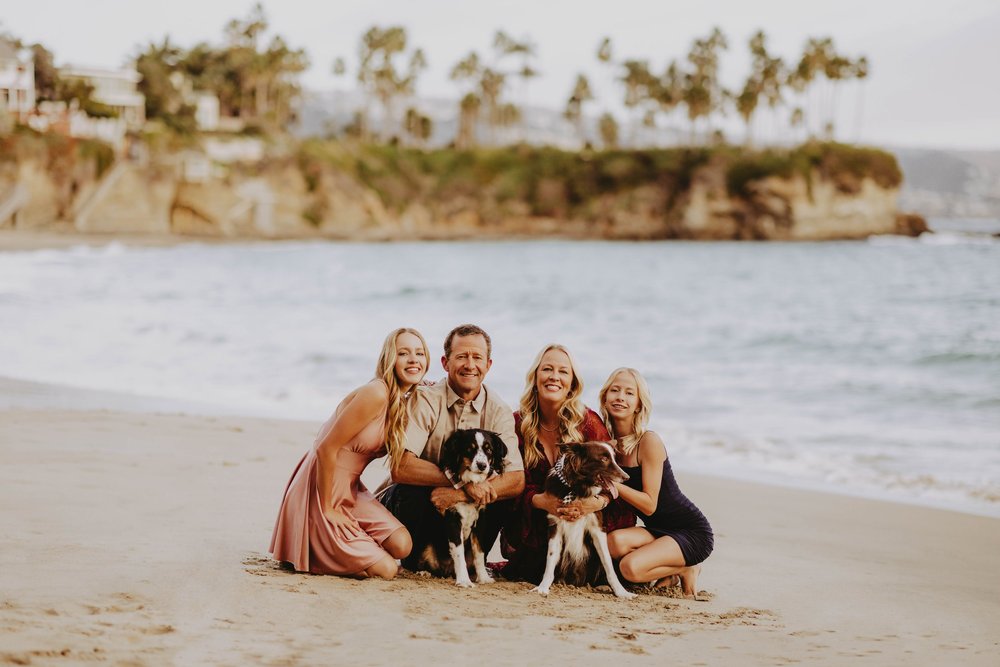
(546, 428)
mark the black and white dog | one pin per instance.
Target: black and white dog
(468, 456)
(581, 471)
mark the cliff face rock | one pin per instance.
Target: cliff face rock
(794, 209)
(127, 200)
(640, 196)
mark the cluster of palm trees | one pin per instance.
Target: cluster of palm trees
(800, 95)
(255, 83)
(693, 86)
(388, 70)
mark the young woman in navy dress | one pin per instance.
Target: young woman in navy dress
(676, 537)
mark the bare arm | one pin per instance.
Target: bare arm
(546, 501)
(358, 411)
(652, 454)
(416, 471)
(508, 485)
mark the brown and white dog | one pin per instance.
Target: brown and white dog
(581, 471)
(468, 456)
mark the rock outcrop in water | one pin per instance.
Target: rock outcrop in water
(331, 190)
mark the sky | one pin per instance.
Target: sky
(933, 81)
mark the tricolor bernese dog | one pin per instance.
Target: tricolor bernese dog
(468, 456)
(581, 471)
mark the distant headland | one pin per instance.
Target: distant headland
(201, 142)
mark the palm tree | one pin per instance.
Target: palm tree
(703, 93)
(378, 72)
(608, 128)
(861, 72)
(467, 121)
(503, 46)
(639, 86)
(767, 73)
(469, 70)
(491, 84)
(669, 91)
(580, 95)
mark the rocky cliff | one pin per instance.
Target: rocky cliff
(335, 191)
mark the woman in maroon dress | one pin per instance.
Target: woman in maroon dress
(551, 412)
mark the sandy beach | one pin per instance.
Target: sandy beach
(139, 537)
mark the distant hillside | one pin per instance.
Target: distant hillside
(950, 183)
(936, 183)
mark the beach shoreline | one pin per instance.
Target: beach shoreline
(141, 535)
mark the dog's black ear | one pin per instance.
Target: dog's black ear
(499, 448)
(450, 454)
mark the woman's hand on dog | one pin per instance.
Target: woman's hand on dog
(342, 522)
(579, 508)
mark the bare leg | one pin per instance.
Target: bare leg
(625, 540)
(659, 559)
(398, 544)
(386, 568)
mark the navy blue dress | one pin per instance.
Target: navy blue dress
(675, 516)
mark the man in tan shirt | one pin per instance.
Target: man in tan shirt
(421, 492)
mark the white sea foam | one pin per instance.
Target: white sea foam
(863, 367)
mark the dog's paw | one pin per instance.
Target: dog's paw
(625, 595)
(465, 584)
(486, 579)
(540, 590)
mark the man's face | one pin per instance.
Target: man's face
(467, 366)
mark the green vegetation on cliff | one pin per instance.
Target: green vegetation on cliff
(56, 153)
(548, 182)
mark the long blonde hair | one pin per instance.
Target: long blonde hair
(628, 443)
(571, 412)
(397, 414)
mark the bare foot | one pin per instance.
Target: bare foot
(668, 582)
(689, 581)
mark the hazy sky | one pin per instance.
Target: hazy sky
(934, 79)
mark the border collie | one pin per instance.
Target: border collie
(581, 471)
(468, 456)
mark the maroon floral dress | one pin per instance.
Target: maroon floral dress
(525, 537)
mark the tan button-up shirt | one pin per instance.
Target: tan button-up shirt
(439, 412)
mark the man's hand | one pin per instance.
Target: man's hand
(443, 497)
(480, 493)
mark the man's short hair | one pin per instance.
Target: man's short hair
(467, 330)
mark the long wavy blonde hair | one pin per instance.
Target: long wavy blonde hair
(397, 414)
(571, 412)
(628, 443)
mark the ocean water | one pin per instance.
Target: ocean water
(869, 368)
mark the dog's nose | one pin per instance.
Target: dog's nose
(480, 466)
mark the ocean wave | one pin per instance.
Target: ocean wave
(959, 357)
(832, 468)
(935, 239)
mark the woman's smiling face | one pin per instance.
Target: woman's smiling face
(554, 377)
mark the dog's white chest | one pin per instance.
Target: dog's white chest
(573, 534)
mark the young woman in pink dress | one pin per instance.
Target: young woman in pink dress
(329, 523)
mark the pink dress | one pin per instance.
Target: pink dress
(302, 535)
